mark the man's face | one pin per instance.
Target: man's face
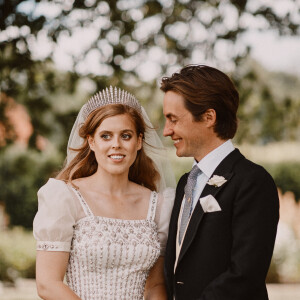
(191, 138)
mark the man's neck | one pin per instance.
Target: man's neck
(209, 148)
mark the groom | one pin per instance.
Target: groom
(224, 221)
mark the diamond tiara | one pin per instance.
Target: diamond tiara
(110, 96)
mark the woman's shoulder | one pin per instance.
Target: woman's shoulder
(55, 190)
(166, 198)
(58, 198)
(163, 215)
(166, 201)
(53, 184)
(168, 193)
(140, 189)
(57, 213)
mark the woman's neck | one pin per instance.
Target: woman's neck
(112, 184)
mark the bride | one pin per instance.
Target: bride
(101, 224)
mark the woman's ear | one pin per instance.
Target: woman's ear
(91, 142)
(210, 117)
(140, 142)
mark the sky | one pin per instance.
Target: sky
(276, 53)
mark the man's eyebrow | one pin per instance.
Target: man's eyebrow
(170, 115)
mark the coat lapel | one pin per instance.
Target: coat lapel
(171, 242)
(224, 169)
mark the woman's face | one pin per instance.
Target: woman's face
(115, 144)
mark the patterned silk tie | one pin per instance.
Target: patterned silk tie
(188, 191)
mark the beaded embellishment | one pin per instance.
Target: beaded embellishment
(111, 258)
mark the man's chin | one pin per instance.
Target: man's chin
(183, 154)
(180, 153)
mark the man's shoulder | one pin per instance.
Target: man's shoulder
(250, 168)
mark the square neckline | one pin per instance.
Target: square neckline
(89, 213)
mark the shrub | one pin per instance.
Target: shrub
(17, 254)
(22, 173)
(286, 176)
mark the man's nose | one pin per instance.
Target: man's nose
(167, 130)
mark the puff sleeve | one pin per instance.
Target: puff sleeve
(162, 216)
(56, 216)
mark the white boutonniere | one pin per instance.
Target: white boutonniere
(216, 181)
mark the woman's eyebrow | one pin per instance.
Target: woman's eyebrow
(123, 130)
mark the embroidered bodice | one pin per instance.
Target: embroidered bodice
(109, 258)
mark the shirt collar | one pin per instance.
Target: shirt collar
(209, 163)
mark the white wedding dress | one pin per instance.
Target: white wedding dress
(109, 258)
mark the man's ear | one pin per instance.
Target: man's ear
(210, 117)
(91, 142)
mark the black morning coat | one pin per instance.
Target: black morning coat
(226, 254)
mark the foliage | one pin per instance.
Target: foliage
(18, 259)
(123, 39)
(272, 276)
(269, 106)
(286, 176)
(129, 38)
(17, 254)
(125, 33)
(286, 258)
(22, 174)
(45, 93)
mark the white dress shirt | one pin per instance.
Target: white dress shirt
(207, 165)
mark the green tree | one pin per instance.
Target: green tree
(126, 37)
(127, 41)
(269, 106)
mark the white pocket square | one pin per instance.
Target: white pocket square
(209, 204)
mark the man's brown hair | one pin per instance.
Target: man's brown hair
(203, 88)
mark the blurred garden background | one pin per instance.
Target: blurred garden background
(55, 54)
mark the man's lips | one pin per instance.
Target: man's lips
(176, 141)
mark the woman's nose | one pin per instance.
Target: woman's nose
(116, 143)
